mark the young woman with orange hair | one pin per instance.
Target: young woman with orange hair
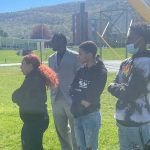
(31, 98)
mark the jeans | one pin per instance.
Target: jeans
(133, 138)
(32, 134)
(87, 130)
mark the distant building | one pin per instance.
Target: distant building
(80, 25)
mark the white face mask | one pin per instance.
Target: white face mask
(131, 49)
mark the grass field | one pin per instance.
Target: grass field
(10, 123)
(9, 56)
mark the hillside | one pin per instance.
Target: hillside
(57, 17)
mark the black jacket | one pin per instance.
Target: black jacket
(31, 97)
(88, 85)
(132, 88)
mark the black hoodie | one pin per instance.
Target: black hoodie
(88, 85)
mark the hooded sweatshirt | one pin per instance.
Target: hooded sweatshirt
(88, 85)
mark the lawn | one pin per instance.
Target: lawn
(9, 56)
(10, 123)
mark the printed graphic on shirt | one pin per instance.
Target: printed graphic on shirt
(126, 69)
(83, 83)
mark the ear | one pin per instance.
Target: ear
(30, 66)
(140, 41)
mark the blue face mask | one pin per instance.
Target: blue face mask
(131, 49)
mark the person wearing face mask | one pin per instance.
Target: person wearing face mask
(132, 89)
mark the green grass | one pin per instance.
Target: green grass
(113, 54)
(9, 56)
(10, 123)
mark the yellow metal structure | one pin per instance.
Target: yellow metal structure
(142, 8)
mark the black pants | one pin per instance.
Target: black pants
(32, 134)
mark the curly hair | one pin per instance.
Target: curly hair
(48, 74)
(142, 30)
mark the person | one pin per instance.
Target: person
(31, 98)
(132, 88)
(85, 91)
(65, 63)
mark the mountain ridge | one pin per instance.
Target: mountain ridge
(56, 17)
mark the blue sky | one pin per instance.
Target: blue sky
(16, 5)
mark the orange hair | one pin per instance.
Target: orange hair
(48, 74)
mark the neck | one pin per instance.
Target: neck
(62, 50)
(142, 45)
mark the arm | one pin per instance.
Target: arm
(131, 90)
(121, 79)
(19, 94)
(29, 92)
(73, 86)
(77, 64)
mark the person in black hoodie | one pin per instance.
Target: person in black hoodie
(132, 88)
(85, 91)
(31, 98)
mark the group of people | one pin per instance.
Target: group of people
(76, 81)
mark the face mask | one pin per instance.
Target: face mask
(131, 49)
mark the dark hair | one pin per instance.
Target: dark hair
(142, 30)
(59, 37)
(89, 47)
(48, 74)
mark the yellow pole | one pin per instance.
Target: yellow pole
(108, 45)
(142, 8)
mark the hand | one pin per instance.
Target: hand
(85, 103)
(111, 86)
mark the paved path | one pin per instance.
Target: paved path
(111, 65)
(9, 65)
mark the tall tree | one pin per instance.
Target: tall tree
(40, 32)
